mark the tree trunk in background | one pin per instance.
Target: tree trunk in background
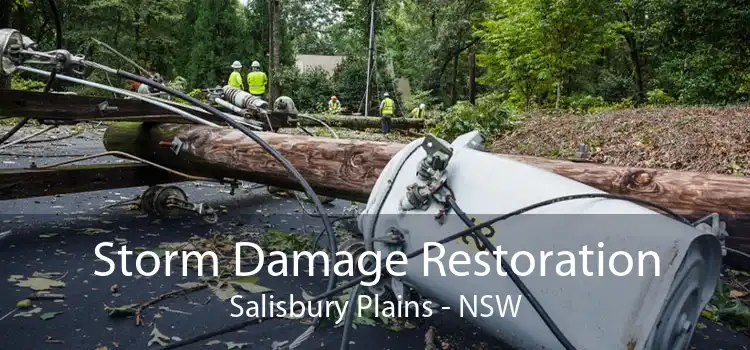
(472, 77)
(4, 23)
(275, 59)
(454, 89)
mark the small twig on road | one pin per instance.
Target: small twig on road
(63, 276)
(43, 296)
(139, 310)
(8, 314)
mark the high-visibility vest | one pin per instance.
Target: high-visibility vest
(387, 108)
(256, 82)
(417, 112)
(235, 80)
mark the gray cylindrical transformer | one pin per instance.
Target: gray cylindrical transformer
(11, 41)
(655, 306)
(243, 99)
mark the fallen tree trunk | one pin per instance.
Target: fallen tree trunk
(348, 169)
(362, 123)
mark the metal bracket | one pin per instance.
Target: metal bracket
(431, 173)
(712, 224)
(104, 108)
(176, 145)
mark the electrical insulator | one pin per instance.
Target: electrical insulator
(243, 99)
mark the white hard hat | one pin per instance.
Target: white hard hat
(385, 94)
(421, 106)
(255, 64)
(236, 64)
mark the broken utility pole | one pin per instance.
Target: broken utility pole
(348, 169)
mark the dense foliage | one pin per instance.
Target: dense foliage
(571, 54)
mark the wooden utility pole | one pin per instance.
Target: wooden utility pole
(274, 62)
(348, 169)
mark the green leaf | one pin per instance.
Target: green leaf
(224, 291)
(189, 285)
(37, 284)
(49, 315)
(247, 283)
(232, 345)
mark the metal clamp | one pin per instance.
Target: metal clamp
(712, 224)
(171, 201)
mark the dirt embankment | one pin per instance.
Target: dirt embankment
(703, 139)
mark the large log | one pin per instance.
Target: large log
(26, 183)
(363, 123)
(348, 169)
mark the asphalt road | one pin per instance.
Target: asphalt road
(46, 236)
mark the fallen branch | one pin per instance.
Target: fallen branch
(141, 307)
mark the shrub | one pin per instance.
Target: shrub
(585, 103)
(490, 116)
(658, 97)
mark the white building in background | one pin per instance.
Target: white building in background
(327, 63)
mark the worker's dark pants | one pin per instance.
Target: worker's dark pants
(385, 124)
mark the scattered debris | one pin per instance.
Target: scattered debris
(121, 311)
(232, 345)
(23, 304)
(91, 231)
(15, 278)
(141, 307)
(29, 313)
(51, 340)
(49, 315)
(164, 308)
(45, 295)
(213, 342)
(248, 284)
(38, 283)
(158, 338)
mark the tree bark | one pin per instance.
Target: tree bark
(472, 77)
(275, 59)
(348, 169)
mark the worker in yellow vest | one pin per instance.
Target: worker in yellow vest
(257, 80)
(235, 79)
(418, 112)
(386, 113)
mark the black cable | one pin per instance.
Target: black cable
(349, 317)
(564, 341)
(273, 152)
(58, 24)
(452, 237)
